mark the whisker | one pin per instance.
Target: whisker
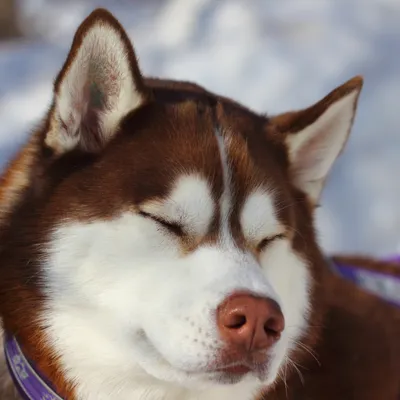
(285, 380)
(298, 371)
(308, 350)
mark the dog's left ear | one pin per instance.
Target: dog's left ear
(98, 85)
(316, 136)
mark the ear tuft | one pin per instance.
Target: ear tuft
(316, 136)
(98, 85)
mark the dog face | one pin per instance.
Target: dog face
(173, 237)
(169, 230)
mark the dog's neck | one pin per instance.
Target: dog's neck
(31, 385)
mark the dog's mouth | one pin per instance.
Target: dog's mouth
(225, 373)
(240, 369)
(236, 373)
(238, 364)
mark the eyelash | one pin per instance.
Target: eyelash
(178, 231)
(268, 240)
(172, 227)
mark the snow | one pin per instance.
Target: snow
(270, 55)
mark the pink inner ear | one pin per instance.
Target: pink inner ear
(99, 92)
(96, 96)
(315, 154)
(77, 111)
(93, 103)
(84, 116)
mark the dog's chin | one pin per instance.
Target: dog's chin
(233, 377)
(156, 366)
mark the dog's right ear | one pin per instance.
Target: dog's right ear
(316, 135)
(98, 85)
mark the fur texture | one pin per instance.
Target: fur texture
(140, 205)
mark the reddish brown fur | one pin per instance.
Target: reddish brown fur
(295, 121)
(358, 354)
(355, 334)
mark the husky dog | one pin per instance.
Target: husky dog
(158, 242)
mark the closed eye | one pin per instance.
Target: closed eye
(173, 227)
(268, 240)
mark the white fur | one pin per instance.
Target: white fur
(258, 219)
(189, 204)
(103, 50)
(225, 201)
(314, 150)
(290, 277)
(135, 306)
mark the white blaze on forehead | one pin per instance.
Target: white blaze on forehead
(258, 217)
(190, 203)
(225, 200)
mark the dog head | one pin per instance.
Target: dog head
(155, 232)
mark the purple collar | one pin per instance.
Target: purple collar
(28, 381)
(383, 285)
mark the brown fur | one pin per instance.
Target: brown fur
(353, 336)
(358, 356)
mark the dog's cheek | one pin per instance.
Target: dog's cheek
(178, 321)
(289, 275)
(102, 264)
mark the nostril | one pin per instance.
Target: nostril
(236, 321)
(272, 333)
(273, 327)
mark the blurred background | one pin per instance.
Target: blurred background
(270, 55)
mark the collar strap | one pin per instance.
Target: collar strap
(383, 285)
(28, 381)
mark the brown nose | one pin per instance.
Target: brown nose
(249, 322)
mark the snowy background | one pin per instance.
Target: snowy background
(272, 56)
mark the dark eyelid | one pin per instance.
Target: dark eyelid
(171, 226)
(268, 240)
